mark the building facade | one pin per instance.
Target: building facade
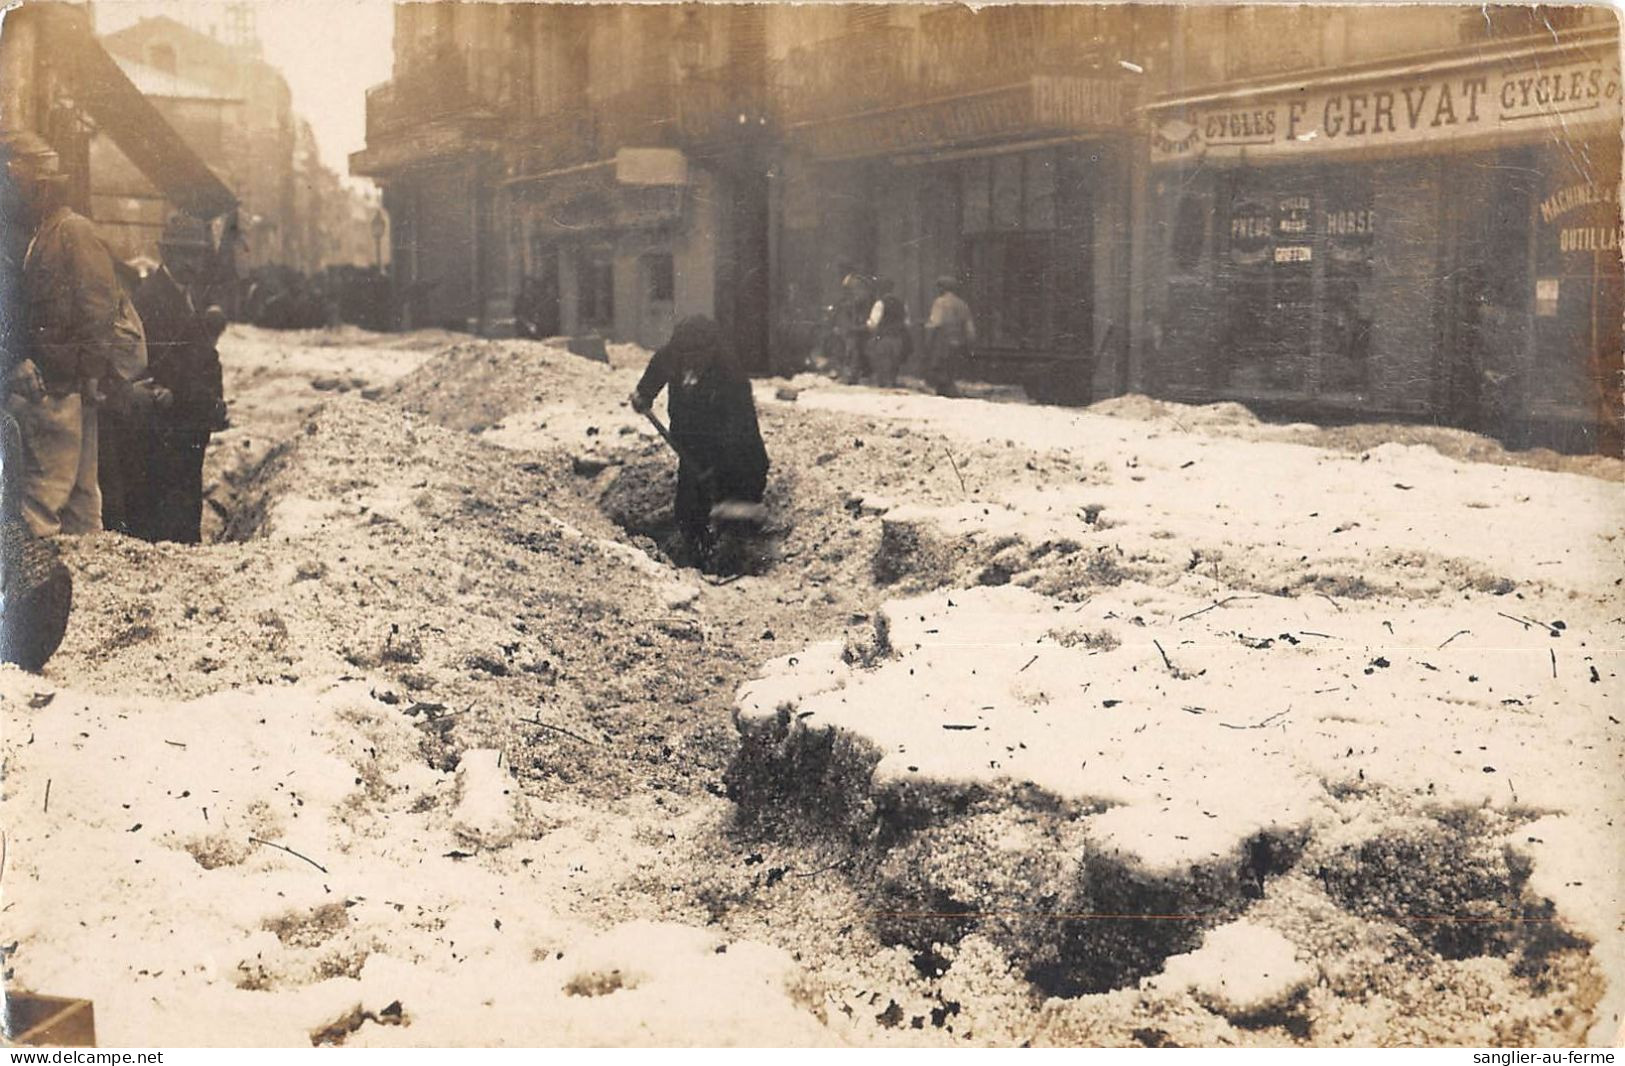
(1398, 213)
(57, 80)
(1323, 211)
(607, 160)
(130, 211)
(996, 146)
(236, 112)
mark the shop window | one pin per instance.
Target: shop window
(1349, 225)
(1266, 269)
(1030, 279)
(162, 57)
(595, 290)
(660, 276)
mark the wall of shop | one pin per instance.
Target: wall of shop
(633, 283)
(1476, 286)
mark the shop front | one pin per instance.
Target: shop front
(620, 248)
(1434, 243)
(1019, 192)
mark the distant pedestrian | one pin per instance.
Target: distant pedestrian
(60, 341)
(949, 334)
(851, 315)
(183, 361)
(890, 344)
(713, 427)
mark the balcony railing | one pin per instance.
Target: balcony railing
(688, 114)
(448, 84)
(896, 66)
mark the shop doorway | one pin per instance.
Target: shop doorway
(1483, 380)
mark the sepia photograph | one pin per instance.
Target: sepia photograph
(811, 525)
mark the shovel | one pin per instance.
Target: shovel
(743, 512)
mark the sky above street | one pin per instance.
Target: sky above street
(331, 52)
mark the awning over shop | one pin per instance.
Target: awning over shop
(431, 143)
(128, 117)
(1044, 104)
(640, 187)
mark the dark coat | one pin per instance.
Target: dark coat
(70, 299)
(182, 358)
(713, 416)
(180, 355)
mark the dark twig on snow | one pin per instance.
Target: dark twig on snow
(1023, 670)
(1169, 663)
(1527, 622)
(1259, 725)
(290, 851)
(47, 796)
(1457, 633)
(955, 465)
(1216, 603)
(1554, 660)
(1337, 606)
(538, 723)
(843, 860)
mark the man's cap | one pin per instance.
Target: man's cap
(184, 231)
(24, 149)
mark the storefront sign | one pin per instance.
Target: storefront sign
(1527, 100)
(1251, 225)
(1278, 231)
(1583, 217)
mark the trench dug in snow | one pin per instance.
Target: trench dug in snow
(1101, 786)
(637, 495)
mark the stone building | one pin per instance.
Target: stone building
(614, 156)
(129, 209)
(1406, 213)
(236, 112)
(57, 80)
(998, 146)
(255, 155)
(1321, 211)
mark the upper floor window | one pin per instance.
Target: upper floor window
(162, 56)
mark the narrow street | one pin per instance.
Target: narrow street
(1140, 724)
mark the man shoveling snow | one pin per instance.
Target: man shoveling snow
(722, 463)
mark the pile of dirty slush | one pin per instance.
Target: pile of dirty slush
(436, 746)
(369, 753)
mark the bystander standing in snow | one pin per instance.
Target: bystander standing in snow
(949, 334)
(59, 337)
(183, 361)
(889, 338)
(850, 317)
(713, 425)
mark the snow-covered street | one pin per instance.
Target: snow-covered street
(1137, 724)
